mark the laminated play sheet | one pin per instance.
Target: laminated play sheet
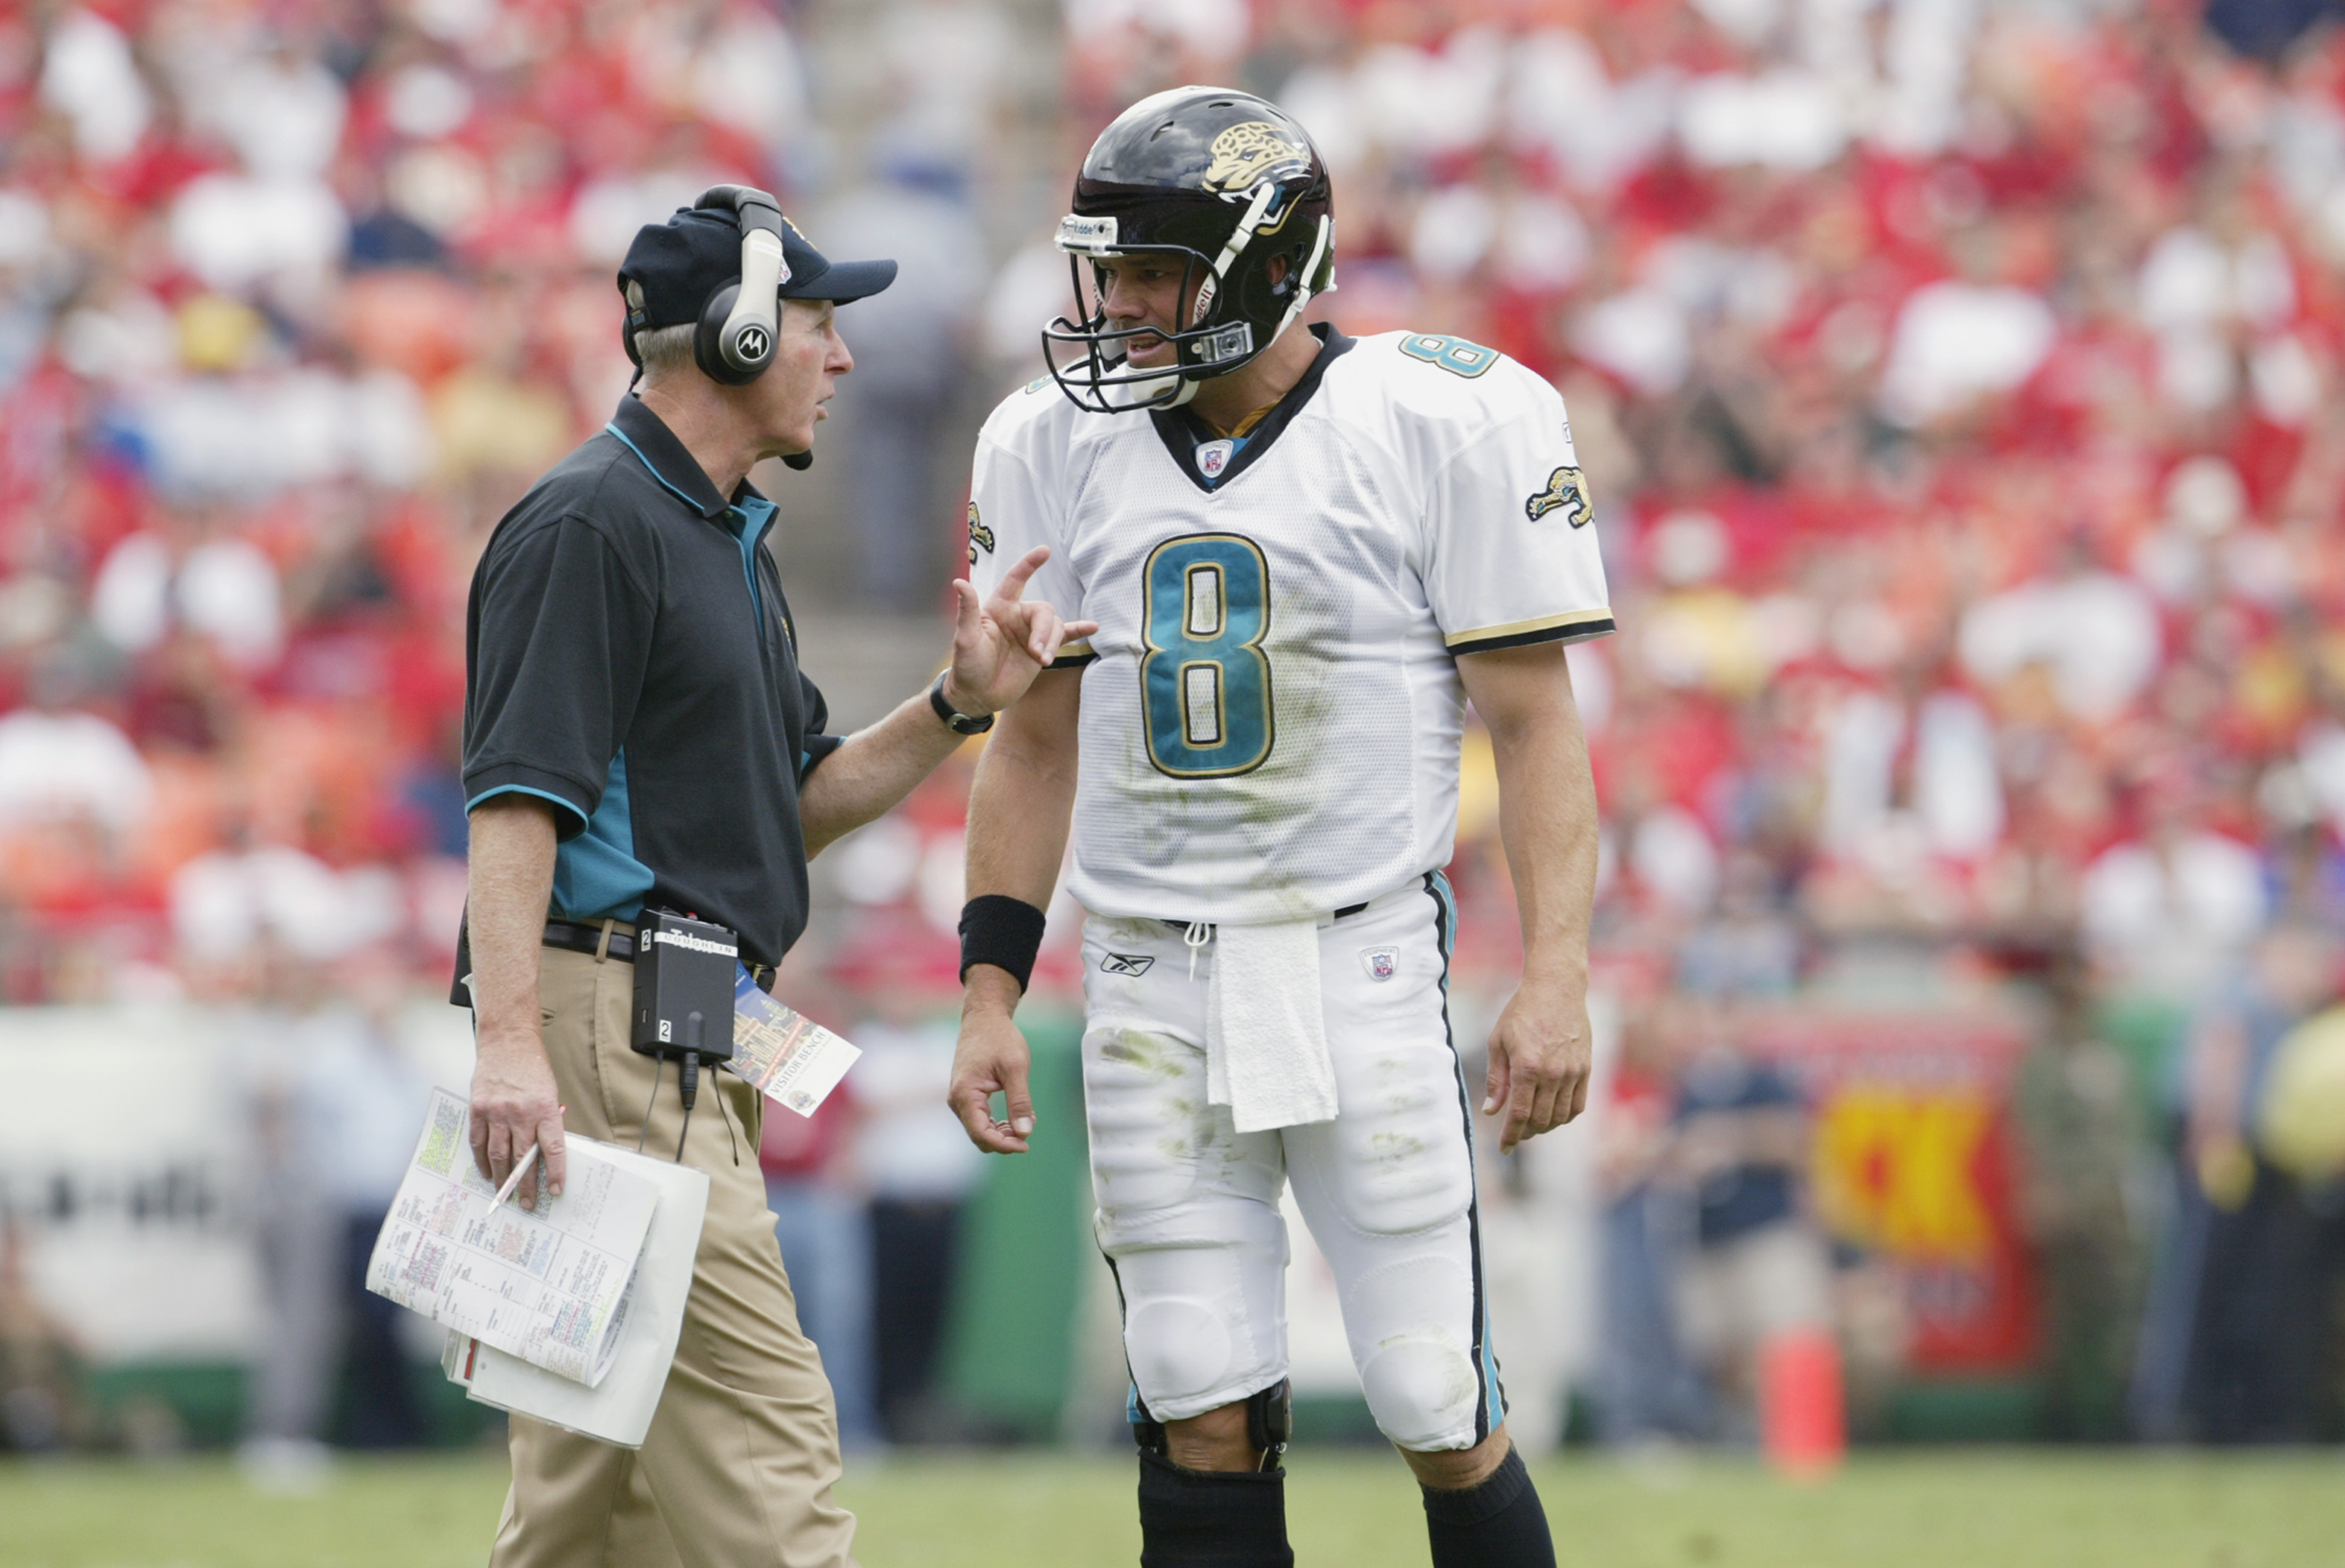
(548, 1286)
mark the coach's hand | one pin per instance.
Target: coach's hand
(515, 1104)
(992, 1056)
(1001, 644)
(1540, 1057)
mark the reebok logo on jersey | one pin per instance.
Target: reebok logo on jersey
(1565, 493)
(980, 536)
(1127, 964)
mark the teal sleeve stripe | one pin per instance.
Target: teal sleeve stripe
(523, 789)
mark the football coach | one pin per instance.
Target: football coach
(638, 735)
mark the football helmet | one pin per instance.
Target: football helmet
(1225, 182)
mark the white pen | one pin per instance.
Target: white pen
(514, 1179)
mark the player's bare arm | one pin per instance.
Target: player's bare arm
(1000, 642)
(1018, 807)
(1540, 1051)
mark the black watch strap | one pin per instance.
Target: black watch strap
(957, 722)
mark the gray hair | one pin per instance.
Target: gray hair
(665, 351)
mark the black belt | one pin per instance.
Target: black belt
(1343, 913)
(577, 938)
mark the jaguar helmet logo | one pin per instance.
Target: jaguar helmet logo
(1565, 493)
(1244, 155)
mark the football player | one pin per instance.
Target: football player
(1306, 553)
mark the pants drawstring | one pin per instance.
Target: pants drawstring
(1197, 937)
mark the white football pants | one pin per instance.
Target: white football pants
(1189, 1208)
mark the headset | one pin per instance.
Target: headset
(733, 341)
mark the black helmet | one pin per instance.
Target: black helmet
(1222, 180)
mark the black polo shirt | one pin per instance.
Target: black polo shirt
(629, 658)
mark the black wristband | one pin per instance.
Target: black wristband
(1001, 931)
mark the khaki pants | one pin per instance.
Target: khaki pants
(738, 1467)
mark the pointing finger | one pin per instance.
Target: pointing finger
(1013, 582)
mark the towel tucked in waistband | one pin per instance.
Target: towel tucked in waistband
(1265, 1030)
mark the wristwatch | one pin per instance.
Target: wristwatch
(957, 722)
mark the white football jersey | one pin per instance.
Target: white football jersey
(1271, 709)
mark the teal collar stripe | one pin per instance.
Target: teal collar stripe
(651, 467)
(751, 518)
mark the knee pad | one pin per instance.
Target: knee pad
(1424, 1391)
(1179, 1349)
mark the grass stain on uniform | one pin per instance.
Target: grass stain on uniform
(1151, 1054)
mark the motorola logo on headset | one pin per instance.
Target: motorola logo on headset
(753, 345)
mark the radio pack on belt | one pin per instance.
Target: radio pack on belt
(683, 988)
(684, 1001)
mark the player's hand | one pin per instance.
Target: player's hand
(1001, 644)
(1541, 1058)
(514, 1105)
(992, 1056)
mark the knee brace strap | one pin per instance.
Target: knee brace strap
(1212, 1519)
(1270, 1421)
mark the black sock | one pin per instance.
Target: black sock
(1497, 1524)
(1212, 1519)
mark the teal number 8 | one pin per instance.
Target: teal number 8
(1454, 355)
(1204, 681)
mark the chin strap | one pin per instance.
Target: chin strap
(1264, 195)
(1303, 293)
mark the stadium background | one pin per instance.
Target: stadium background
(1957, 384)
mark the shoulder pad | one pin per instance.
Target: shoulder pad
(1434, 378)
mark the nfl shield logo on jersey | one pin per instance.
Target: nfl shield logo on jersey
(1381, 963)
(1214, 457)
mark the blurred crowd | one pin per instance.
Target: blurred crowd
(1957, 381)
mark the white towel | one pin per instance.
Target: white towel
(1265, 1030)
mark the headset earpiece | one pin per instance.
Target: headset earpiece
(734, 341)
(708, 341)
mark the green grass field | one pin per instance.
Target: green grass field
(1944, 1509)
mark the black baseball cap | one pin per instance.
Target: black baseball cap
(680, 263)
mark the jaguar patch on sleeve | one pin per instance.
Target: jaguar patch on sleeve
(1565, 491)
